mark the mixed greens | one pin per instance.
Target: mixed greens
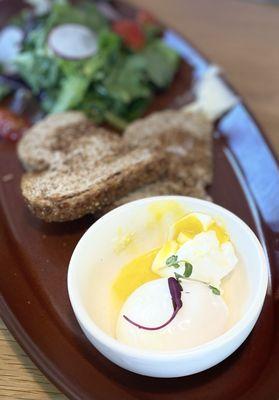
(114, 85)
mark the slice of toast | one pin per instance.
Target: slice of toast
(71, 192)
(187, 140)
(76, 173)
(76, 168)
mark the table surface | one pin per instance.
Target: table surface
(242, 38)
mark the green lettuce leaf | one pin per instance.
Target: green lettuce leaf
(161, 63)
(38, 70)
(72, 91)
(127, 80)
(86, 14)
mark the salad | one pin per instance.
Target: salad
(75, 57)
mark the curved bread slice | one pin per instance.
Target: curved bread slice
(69, 193)
(77, 168)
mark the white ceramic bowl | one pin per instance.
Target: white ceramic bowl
(109, 243)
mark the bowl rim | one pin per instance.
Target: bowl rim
(247, 319)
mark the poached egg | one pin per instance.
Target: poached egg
(143, 290)
(202, 318)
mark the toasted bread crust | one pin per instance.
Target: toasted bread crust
(164, 187)
(111, 186)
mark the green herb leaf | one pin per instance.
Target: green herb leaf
(171, 260)
(178, 277)
(188, 269)
(215, 290)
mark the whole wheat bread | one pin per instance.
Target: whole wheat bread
(76, 168)
(187, 140)
(44, 141)
(70, 176)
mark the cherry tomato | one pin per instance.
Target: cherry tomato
(12, 126)
(130, 32)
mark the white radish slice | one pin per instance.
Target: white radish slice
(72, 41)
(10, 43)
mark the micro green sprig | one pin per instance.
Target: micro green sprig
(173, 261)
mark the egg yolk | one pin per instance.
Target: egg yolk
(183, 238)
(134, 274)
(189, 225)
(221, 234)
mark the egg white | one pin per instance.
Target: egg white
(202, 317)
(211, 260)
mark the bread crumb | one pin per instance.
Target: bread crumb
(7, 178)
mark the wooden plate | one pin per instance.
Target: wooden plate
(34, 261)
